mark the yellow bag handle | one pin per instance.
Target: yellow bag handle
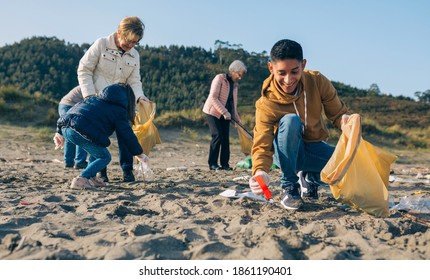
(151, 115)
(351, 134)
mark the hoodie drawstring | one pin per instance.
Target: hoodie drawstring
(306, 111)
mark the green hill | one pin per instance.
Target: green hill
(36, 72)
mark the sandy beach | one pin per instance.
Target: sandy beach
(180, 215)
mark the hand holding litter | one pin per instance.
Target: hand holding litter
(143, 158)
(255, 186)
(144, 171)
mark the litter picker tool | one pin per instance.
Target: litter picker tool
(265, 188)
(244, 128)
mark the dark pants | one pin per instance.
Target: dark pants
(125, 157)
(220, 132)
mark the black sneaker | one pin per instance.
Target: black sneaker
(128, 176)
(214, 167)
(316, 178)
(102, 175)
(290, 197)
(80, 165)
(225, 167)
(309, 189)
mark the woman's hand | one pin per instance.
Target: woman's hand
(143, 99)
(227, 116)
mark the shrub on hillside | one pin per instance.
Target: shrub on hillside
(20, 107)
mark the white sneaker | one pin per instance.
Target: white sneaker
(80, 183)
(96, 183)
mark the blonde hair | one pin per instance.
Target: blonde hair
(131, 27)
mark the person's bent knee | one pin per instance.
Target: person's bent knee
(105, 157)
(291, 122)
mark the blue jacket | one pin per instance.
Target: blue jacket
(97, 117)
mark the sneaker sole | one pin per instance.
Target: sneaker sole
(82, 188)
(291, 207)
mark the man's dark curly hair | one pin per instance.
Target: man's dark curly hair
(286, 49)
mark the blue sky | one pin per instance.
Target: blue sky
(354, 42)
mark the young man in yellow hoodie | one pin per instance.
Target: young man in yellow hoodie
(289, 128)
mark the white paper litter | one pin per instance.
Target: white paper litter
(234, 194)
(242, 178)
(392, 179)
(179, 168)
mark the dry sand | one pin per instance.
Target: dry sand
(180, 215)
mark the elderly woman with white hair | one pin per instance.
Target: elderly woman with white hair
(220, 108)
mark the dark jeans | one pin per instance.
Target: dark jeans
(125, 157)
(220, 132)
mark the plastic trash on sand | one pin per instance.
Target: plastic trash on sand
(413, 204)
(178, 168)
(415, 180)
(245, 163)
(144, 171)
(242, 180)
(234, 194)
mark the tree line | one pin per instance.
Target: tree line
(37, 72)
(175, 77)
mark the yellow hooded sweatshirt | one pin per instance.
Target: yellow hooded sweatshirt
(316, 95)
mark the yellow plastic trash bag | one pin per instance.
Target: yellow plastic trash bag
(245, 140)
(144, 128)
(358, 172)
